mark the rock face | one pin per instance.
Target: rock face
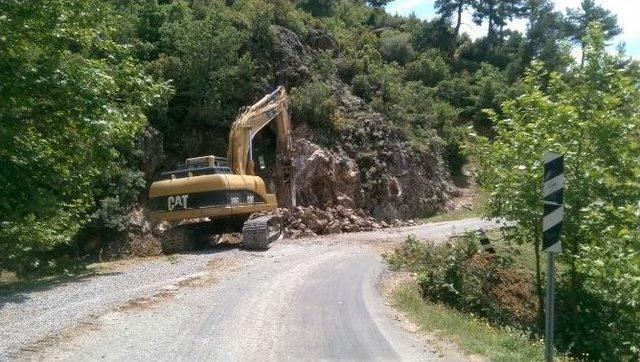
(150, 150)
(370, 164)
(402, 179)
(325, 178)
(399, 180)
(322, 39)
(289, 57)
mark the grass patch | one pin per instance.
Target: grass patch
(472, 209)
(472, 334)
(173, 259)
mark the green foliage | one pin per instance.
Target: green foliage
(314, 104)
(205, 55)
(545, 32)
(602, 194)
(488, 90)
(378, 3)
(318, 7)
(287, 15)
(71, 97)
(397, 48)
(323, 64)
(579, 20)
(459, 276)
(363, 87)
(497, 13)
(429, 68)
(434, 34)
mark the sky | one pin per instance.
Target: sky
(628, 12)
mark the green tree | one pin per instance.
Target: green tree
(213, 72)
(318, 7)
(579, 20)
(434, 34)
(544, 35)
(591, 116)
(448, 8)
(378, 3)
(70, 98)
(497, 13)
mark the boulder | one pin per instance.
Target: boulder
(325, 178)
(323, 39)
(307, 221)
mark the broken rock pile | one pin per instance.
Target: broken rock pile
(305, 221)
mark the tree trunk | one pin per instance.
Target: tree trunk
(575, 310)
(459, 22)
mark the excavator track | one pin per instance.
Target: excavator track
(177, 240)
(258, 233)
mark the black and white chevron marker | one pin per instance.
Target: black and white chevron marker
(551, 225)
(553, 202)
(484, 241)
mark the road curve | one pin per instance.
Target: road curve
(298, 301)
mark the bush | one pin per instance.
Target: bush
(457, 275)
(313, 103)
(436, 34)
(362, 87)
(285, 14)
(430, 68)
(323, 64)
(397, 48)
(318, 7)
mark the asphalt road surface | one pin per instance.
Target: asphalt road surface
(309, 299)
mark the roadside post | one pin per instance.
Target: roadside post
(551, 224)
(485, 243)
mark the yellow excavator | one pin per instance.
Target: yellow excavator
(211, 195)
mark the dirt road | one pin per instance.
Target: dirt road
(304, 299)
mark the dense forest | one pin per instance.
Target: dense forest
(97, 96)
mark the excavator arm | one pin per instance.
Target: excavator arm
(273, 106)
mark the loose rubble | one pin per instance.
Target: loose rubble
(307, 221)
(140, 239)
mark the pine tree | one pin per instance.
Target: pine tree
(447, 8)
(497, 13)
(578, 21)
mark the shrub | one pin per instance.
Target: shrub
(285, 14)
(457, 275)
(323, 64)
(433, 34)
(430, 68)
(362, 87)
(313, 103)
(397, 48)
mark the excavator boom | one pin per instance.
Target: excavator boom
(273, 106)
